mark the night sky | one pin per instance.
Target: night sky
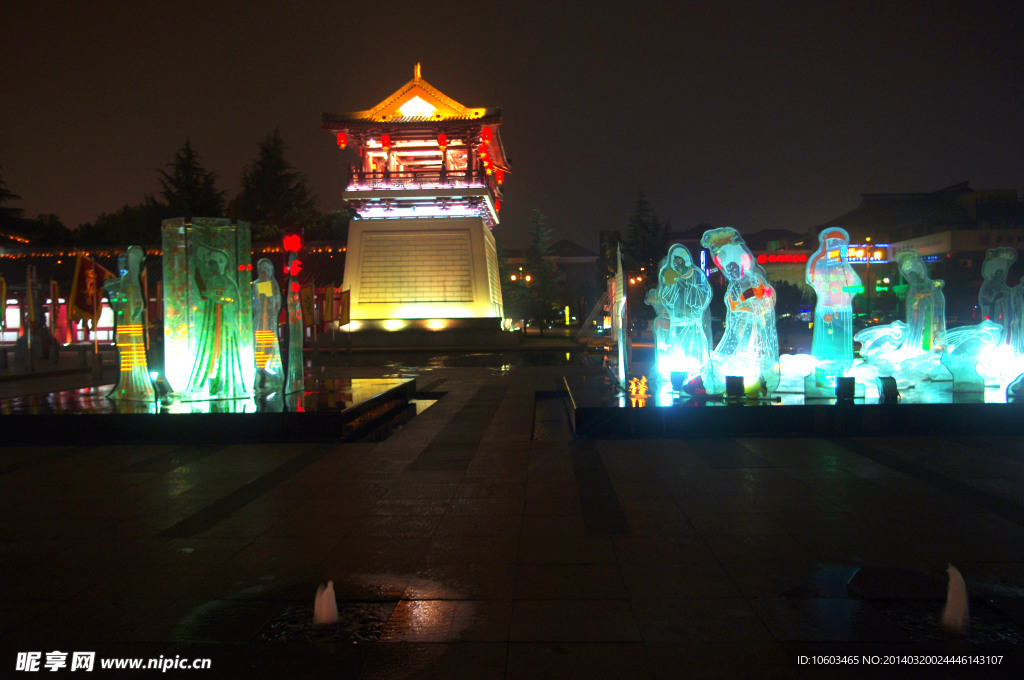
(754, 115)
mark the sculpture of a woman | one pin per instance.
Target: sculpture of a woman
(217, 371)
(266, 309)
(129, 305)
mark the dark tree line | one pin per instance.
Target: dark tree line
(274, 197)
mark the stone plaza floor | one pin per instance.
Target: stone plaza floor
(481, 540)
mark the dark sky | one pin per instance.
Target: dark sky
(754, 115)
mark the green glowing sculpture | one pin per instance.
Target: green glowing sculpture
(129, 305)
(208, 338)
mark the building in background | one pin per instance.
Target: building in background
(425, 194)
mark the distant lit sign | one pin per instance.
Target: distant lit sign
(782, 258)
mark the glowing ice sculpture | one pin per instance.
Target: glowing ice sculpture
(836, 284)
(750, 345)
(926, 305)
(208, 338)
(682, 299)
(994, 296)
(966, 349)
(911, 350)
(266, 309)
(129, 305)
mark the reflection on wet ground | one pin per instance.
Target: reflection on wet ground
(323, 396)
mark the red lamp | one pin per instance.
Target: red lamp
(487, 134)
(442, 141)
(292, 243)
(342, 139)
(385, 141)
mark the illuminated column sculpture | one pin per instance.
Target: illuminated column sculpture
(685, 293)
(835, 283)
(126, 299)
(266, 309)
(294, 381)
(208, 338)
(750, 346)
(926, 305)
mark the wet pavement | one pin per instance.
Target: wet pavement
(480, 540)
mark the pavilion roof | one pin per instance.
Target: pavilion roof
(390, 109)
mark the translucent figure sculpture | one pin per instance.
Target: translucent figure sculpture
(296, 331)
(994, 296)
(660, 329)
(926, 305)
(266, 309)
(750, 345)
(187, 248)
(1015, 322)
(835, 283)
(217, 371)
(126, 299)
(965, 349)
(685, 293)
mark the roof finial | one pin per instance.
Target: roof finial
(416, 72)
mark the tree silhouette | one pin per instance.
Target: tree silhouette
(274, 196)
(188, 190)
(10, 217)
(543, 286)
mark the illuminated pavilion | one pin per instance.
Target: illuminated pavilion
(425, 195)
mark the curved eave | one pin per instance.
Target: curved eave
(355, 121)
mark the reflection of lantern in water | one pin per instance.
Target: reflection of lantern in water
(638, 391)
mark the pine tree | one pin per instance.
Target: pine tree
(274, 195)
(188, 190)
(9, 217)
(647, 236)
(543, 286)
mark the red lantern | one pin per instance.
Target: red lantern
(292, 243)
(487, 135)
(385, 141)
(482, 150)
(497, 206)
(500, 176)
(442, 141)
(342, 139)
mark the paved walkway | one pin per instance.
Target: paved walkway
(480, 541)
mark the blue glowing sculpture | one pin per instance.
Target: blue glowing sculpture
(994, 296)
(660, 329)
(926, 305)
(835, 283)
(750, 346)
(965, 349)
(266, 309)
(684, 294)
(129, 305)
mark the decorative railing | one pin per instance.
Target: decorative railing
(418, 179)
